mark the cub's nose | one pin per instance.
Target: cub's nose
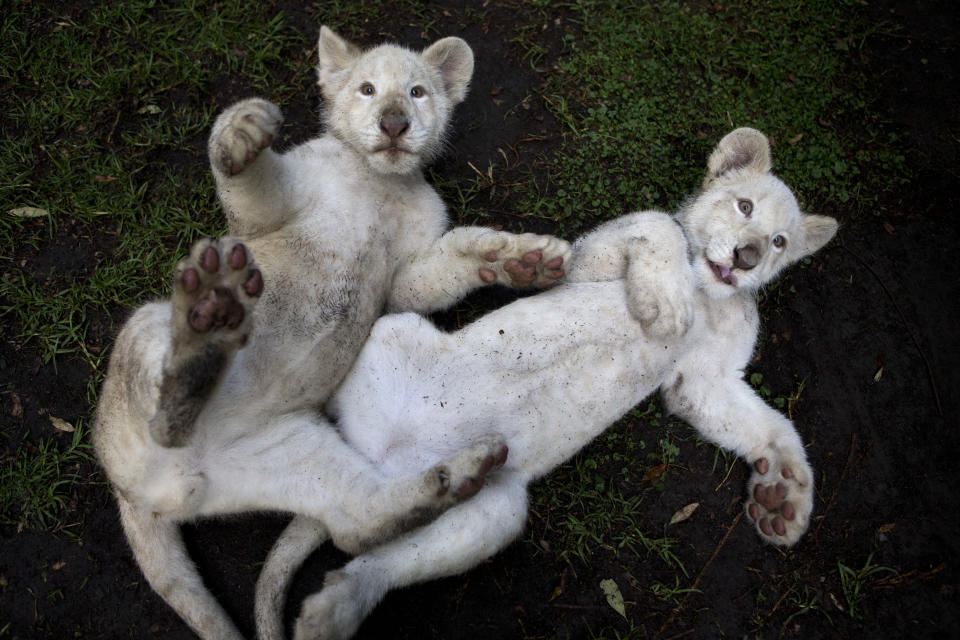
(394, 123)
(746, 257)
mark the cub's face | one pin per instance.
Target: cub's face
(389, 104)
(746, 225)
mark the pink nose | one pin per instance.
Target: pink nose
(394, 124)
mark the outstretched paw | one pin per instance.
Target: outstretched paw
(242, 132)
(780, 498)
(215, 290)
(524, 260)
(461, 476)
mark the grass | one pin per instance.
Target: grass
(106, 111)
(645, 89)
(95, 103)
(855, 582)
(36, 483)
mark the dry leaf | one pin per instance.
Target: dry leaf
(29, 212)
(886, 528)
(59, 564)
(614, 597)
(17, 409)
(878, 375)
(150, 108)
(795, 139)
(61, 425)
(685, 513)
(655, 472)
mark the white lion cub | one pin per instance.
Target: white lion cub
(552, 371)
(211, 404)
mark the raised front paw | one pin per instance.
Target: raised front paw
(524, 260)
(242, 132)
(661, 294)
(780, 498)
(214, 292)
(461, 475)
(663, 310)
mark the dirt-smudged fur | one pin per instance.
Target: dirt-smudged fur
(212, 402)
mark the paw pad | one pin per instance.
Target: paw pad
(779, 504)
(217, 286)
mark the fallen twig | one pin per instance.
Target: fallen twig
(700, 575)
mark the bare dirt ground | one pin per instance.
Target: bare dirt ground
(869, 326)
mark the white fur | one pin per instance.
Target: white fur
(341, 228)
(642, 311)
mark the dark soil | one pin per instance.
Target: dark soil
(868, 326)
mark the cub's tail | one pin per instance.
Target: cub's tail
(301, 537)
(159, 550)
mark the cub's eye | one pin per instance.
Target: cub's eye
(418, 92)
(745, 207)
(779, 242)
(367, 89)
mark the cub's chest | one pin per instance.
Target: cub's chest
(729, 324)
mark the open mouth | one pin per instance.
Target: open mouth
(722, 273)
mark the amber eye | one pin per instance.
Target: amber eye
(745, 207)
(418, 92)
(367, 89)
(779, 242)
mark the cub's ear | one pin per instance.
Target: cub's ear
(817, 231)
(453, 58)
(743, 148)
(335, 56)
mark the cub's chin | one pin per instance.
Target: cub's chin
(394, 160)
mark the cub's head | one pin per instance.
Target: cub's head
(745, 225)
(389, 104)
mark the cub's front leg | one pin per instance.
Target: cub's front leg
(726, 411)
(248, 174)
(649, 252)
(466, 258)
(214, 292)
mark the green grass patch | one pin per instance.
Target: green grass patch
(646, 89)
(36, 481)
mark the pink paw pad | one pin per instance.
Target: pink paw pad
(771, 511)
(219, 305)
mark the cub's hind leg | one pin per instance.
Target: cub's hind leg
(457, 541)
(214, 292)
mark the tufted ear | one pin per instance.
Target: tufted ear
(453, 58)
(334, 57)
(743, 148)
(817, 231)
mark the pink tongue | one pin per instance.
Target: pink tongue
(726, 275)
